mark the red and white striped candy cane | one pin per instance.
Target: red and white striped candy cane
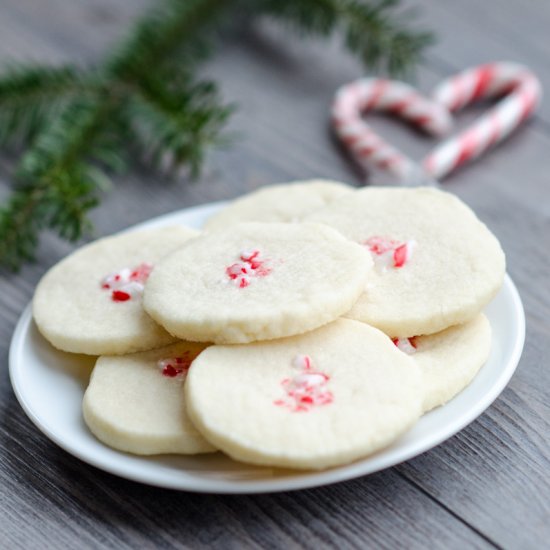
(398, 98)
(522, 95)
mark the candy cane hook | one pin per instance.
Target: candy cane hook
(519, 85)
(522, 92)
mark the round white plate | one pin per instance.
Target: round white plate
(50, 384)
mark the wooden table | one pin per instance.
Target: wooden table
(487, 486)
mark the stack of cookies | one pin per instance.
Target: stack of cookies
(307, 326)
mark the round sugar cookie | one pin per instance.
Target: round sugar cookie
(91, 301)
(256, 281)
(449, 360)
(286, 202)
(435, 263)
(312, 401)
(135, 403)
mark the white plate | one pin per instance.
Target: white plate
(50, 384)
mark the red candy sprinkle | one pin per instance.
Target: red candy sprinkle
(141, 273)
(380, 245)
(120, 296)
(305, 390)
(389, 252)
(250, 266)
(170, 371)
(249, 255)
(233, 271)
(126, 283)
(400, 256)
(176, 366)
(406, 345)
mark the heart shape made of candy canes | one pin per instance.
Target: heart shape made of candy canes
(520, 88)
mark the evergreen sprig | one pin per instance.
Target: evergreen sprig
(30, 97)
(78, 125)
(372, 30)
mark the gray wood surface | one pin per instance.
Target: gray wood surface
(487, 486)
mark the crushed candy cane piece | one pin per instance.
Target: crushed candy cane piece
(174, 367)
(306, 389)
(249, 266)
(389, 253)
(302, 362)
(127, 283)
(120, 296)
(381, 245)
(406, 345)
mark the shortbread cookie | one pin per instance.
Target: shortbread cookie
(91, 302)
(287, 202)
(450, 359)
(256, 281)
(436, 264)
(312, 401)
(135, 403)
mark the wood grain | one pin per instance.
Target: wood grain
(488, 486)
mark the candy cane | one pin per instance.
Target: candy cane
(522, 89)
(371, 94)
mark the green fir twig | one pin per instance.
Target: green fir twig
(78, 125)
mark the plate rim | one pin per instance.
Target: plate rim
(309, 479)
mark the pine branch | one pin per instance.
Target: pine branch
(169, 29)
(57, 187)
(384, 42)
(60, 145)
(58, 176)
(79, 124)
(59, 201)
(371, 29)
(31, 96)
(175, 127)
